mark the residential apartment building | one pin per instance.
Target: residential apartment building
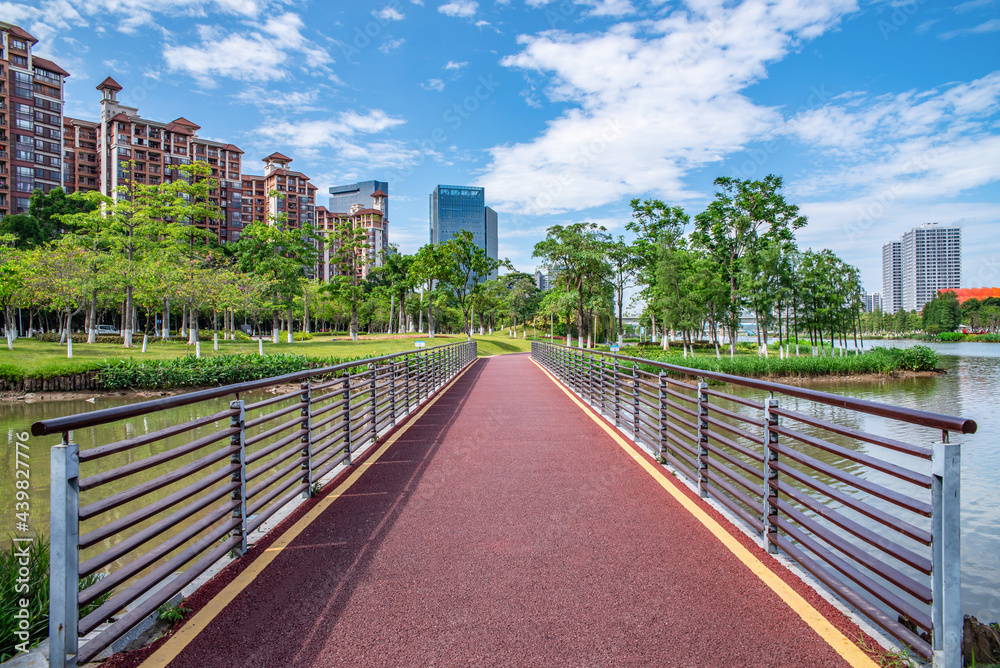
(923, 261)
(932, 261)
(892, 276)
(31, 120)
(541, 281)
(134, 150)
(81, 158)
(279, 192)
(371, 219)
(873, 302)
(457, 208)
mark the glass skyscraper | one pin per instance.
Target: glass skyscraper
(457, 208)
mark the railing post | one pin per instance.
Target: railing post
(946, 581)
(702, 462)
(635, 403)
(306, 438)
(618, 394)
(239, 537)
(392, 390)
(662, 392)
(374, 390)
(64, 554)
(770, 510)
(602, 391)
(406, 383)
(347, 420)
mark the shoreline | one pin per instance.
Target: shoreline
(87, 395)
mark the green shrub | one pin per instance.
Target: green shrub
(35, 589)
(951, 336)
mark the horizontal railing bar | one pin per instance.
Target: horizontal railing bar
(152, 437)
(271, 416)
(147, 607)
(910, 415)
(735, 399)
(93, 418)
(733, 429)
(736, 461)
(325, 464)
(107, 530)
(882, 492)
(681, 421)
(112, 580)
(869, 609)
(742, 449)
(877, 540)
(115, 500)
(138, 588)
(263, 516)
(271, 447)
(871, 462)
(714, 477)
(273, 431)
(901, 526)
(278, 398)
(892, 444)
(338, 427)
(324, 444)
(685, 468)
(715, 408)
(319, 424)
(907, 584)
(681, 396)
(115, 552)
(877, 590)
(104, 477)
(329, 407)
(737, 510)
(295, 465)
(274, 461)
(738, 478)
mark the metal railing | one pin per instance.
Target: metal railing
(201, 486)
(871, 517)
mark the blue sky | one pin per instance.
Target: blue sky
(879, 115)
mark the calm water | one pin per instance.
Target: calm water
(970, 389)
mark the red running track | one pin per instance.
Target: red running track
(506, 528)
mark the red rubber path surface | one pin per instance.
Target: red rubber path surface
(506, 528)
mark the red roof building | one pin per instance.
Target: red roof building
(965, 294)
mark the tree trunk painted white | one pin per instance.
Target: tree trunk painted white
(275, 328)
(145, 341)
(197, 348)
(92, 319)
(69, 333)
(260, 347)
(165, 325)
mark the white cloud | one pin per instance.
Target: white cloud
(993, 25)
(390, 45)
(344, 136)
(452, 65)
(480, 24)
(433, 84)
(649, 102)
(296, 101)
(461, 8)
(390, 13)
(262, 54)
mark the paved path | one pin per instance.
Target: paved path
(506, 528)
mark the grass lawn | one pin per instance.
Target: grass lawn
(49, 359)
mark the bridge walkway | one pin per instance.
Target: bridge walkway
(506, 526)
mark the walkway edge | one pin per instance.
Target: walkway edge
(187, 633)
(847, 649)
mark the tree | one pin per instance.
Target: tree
(12, 283)
(743, 213)
(625, 265)
(942, 314)
(463, 264)
(62, 272)
(349, 257)
(578, 251)
(279, 256)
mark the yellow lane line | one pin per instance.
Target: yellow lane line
(187, 633)
(810, 615)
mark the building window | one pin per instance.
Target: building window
(18, 44)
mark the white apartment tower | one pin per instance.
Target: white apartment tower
(930, 259)
(892, 276)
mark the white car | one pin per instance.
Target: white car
(108, 329)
